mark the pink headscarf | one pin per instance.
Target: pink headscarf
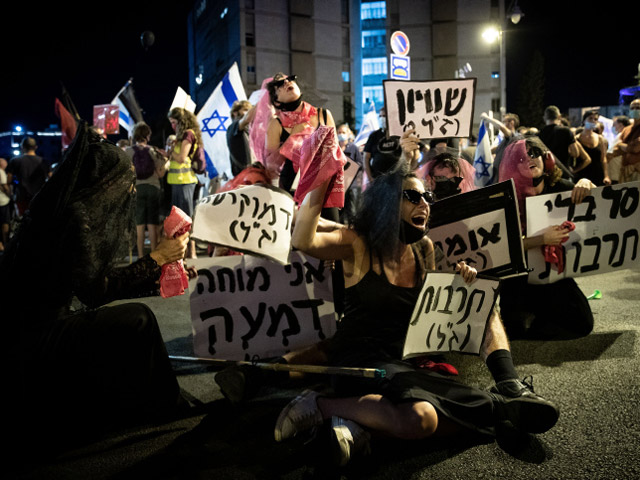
(467, 172)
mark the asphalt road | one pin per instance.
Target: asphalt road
(595, 381)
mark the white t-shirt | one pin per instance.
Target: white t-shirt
(4, 198)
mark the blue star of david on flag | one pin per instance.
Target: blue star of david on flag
(482, 167)
(220, 127)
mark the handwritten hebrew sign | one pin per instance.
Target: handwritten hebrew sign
(435, 109)
(480, 227)
(605, 238)
(450, 315)
(255, 218)
(243, 306)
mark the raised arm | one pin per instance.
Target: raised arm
(334, 244)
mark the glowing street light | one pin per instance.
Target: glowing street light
(494, 34)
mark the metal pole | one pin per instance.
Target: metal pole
(285, 367)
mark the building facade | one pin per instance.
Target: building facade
(340, 48)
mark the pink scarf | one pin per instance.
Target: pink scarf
(555, 253)
(174, 279)
(320, 158)
(291, 119)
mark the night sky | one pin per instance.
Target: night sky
(587, 56)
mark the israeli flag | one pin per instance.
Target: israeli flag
(483, 159)
(214, 118)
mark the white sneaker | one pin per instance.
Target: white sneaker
(301, 414)
(350, 439)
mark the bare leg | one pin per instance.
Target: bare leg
(140, 240)
(153, 236)
(408, 421)
(495, 338)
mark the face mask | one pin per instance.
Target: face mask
(410, 234)
(447, 188)
(634, 114)
(342, 137)
(590, 125)
(383, 122)
(289, 106)
(538, 181)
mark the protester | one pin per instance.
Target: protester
(29, 171)
(446, 174)
(80, 369)
(150, 167)
(5, 205)
(351, 150)
(595, 145)
(629, 146)
(386, 255)
(562, 143)
(242, 114)
(614, 160)
(181, 176)
(556, 310)
(124, 143)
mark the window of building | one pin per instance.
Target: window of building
(373, 38)
(374, 94)
(374, 66)
(371, 10)
(249, 28)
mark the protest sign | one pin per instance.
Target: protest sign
(435, 109)
(481, 227)
(105, 117)
(183, 100)
(605, 236)
(254, 218)
(450, 315)
(244, 306)
(351, 170)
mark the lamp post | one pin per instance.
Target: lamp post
(491, 35)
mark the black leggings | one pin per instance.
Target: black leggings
(557, 310)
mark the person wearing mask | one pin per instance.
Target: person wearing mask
(595, 145)
(614, 162)
(561, 141)
(629, 146)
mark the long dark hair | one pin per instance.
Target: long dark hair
(378, 216)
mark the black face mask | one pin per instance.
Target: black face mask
(538, 181)
(289, 106)
(447, 188)
(410, 234)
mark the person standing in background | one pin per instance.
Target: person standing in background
(29, 171)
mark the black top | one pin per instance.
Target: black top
(239, 149)
(31, 172)
(558, 138)
(594, 170)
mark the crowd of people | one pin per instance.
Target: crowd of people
(102, 195)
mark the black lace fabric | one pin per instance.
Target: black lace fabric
(74, 232)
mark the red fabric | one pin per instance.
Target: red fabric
(174, 279)
(291, 119)
(555, 253)
(438, 367)
(69, 124)
(319, 159)
(248, 176)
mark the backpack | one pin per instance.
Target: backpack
(199, 161)
(143, 162)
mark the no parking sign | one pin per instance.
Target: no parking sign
(400, 43)
(400, 68)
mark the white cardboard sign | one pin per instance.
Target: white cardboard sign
(435, 109)
(450, 315)
(255, 219)
(606, 236)
(243, 306)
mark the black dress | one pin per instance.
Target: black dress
(371, 335)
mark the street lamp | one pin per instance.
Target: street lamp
(491, 35)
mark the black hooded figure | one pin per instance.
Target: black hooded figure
(78, 371)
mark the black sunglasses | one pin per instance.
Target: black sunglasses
(290, 78)
(414, 196)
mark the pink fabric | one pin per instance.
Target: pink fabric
(515, 165)
(174, 279)
(555, 253)
(258, 130)
(291, 119)
(319, 159)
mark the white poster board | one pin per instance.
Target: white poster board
(450, 316)
(605, 238)
(244, 306)
(435, 109)
(183, 100)
(253, 218)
